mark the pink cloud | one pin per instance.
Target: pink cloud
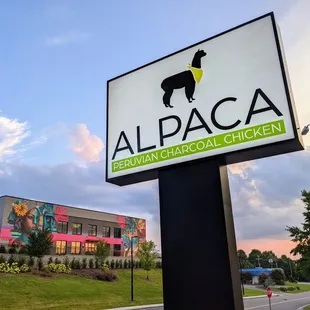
(85, 145)
(279, 247)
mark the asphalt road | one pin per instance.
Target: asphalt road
(283, 302)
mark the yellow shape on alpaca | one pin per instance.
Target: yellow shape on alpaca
(197, 73)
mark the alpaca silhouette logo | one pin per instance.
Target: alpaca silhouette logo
(187, 79)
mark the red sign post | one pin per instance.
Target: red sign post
(269, 294)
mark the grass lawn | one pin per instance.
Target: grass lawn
(307, 308)
(250, 292)
(26, 291)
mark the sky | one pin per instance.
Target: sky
(55, 59)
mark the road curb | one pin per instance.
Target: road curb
(262, 296)
(302, 308)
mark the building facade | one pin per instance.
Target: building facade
(75, 231)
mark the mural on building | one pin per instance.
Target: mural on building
(132, 227)
(24, 220)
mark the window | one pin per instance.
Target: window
(117, 250)
(117, 233)
(76, 229)
(92, 230)
(62, 227)
(75, 247)
(106, 231)
(61, 247)
(90, 247)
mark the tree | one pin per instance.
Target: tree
(301, 237)
(278, 276)
(102, 251)
(254, 257)
(40, 243)
(243, 259)
(148, 255)
(265, 257)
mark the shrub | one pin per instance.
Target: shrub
(117, 264)
(9, 268)
(21, 261)
(40, 263)
(297, 288)
(84, 263)
(105, 268)
(2, 249)
(278, 276)
(125, 264)
(97, 264)
(121, 264)
(91, 263)
(50, 260)
(112, 266)
(57, 268)
(283, 289)
(72, 264)
(57, 261)
(158, 265)
(11, 259)
(77, 264)
(108, 263)
(12, 250)
(109, 276)
(2, 259)
(262, 278)
(291, 288)
(67, 261)
(23, 250)
(24, 268)
(31, 262)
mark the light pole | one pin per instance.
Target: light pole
(131, 250)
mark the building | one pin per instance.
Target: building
(256, 272)
(75, 231)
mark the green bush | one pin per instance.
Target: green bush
(291, 288)
(40, 263)
(77, 264)
(24, 268)
(278, 276)
(262, 278)
(12, 250)
(117, 264)
(91, 263)
(23, 250)
(108, 263)
(67, 261)
(297, 288)
(57, 261)
(50, 260)
(121, 264)
(21, 261)
(283, 289)
(105, 268)
(109, 276)
(2, 259)
(57, 268)
(2, 249)
(112, 266)
(31, 262)
(125, 264)
(97, 264)
(72, 264)
(6, 267)
(84, 263)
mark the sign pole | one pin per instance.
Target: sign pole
(196, 219)
(269, 303)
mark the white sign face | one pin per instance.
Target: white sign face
(224, 95)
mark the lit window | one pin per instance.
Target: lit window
(76, 229)
(106, 232)
(61, 247)
(90, 247)
(92, 230)
(75, 247)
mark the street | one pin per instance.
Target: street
(283, 302)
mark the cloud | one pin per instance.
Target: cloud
(68, 38)
(12, 133)
(85, 145)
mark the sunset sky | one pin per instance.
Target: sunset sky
(55, 59)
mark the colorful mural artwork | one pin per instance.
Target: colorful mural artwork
(131, 228)
(24, 220)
